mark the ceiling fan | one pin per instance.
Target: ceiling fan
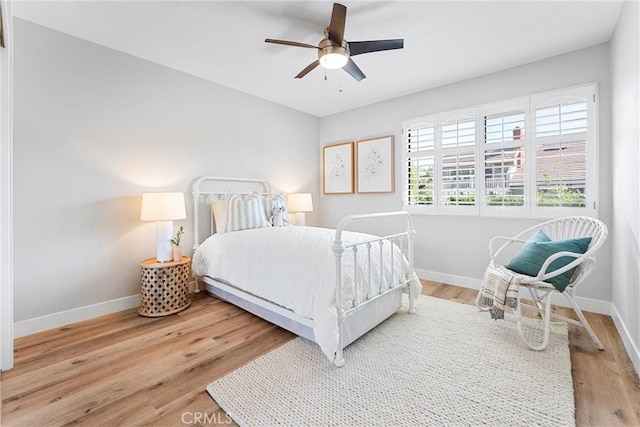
(335, 52)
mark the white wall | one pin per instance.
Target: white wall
(625, 77)
(457, 245)
(94, 128)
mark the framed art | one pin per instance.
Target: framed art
(337, 168)
(375, 165)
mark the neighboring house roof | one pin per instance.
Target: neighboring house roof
(561, 164)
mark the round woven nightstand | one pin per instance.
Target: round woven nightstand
(164, 287)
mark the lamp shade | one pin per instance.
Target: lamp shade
(300, 202)
(162, 207)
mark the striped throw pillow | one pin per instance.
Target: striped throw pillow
(245, 212)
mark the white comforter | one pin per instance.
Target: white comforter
(295, 267)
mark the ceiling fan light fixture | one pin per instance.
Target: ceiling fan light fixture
(335, 52)
(333, 57)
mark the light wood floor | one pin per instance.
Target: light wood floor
(123, 369)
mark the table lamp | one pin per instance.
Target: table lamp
(163, 208)
(298, 204)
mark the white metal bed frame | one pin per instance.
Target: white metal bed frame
(354, 321)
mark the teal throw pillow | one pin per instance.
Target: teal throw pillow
(538, 248)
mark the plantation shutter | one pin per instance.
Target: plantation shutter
(504, 157)
(458, 166)
(533, 156)
(561, 154)
(420, 164)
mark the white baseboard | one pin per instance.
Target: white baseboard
(56, 320)
(586, 304)
(627, 340)
(450, 279)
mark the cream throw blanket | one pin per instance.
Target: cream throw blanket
(499, 289)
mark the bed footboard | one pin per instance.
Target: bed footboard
(399, 275)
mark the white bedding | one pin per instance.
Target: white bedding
(295, 267)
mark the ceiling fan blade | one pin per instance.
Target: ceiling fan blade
(353, 69)
(336, 26)
(288, 43)
(308, 68)
(358, 48)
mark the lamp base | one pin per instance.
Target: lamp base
(164, 232)
(299, 218)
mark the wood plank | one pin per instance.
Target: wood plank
(138, 370)
(92, 360)
(174, 386)
(84, 335)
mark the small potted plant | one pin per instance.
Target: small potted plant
(177, 250)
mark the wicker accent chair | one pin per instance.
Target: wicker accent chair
(540, 290)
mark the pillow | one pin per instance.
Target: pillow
(219, 211)
(538, 248)
(245, 212)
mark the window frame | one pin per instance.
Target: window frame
(527, 105)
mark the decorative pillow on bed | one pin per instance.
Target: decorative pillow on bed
(219, 212)
(245, 212)
(536, 251)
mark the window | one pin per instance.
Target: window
(420, 166)
(503, 158)
(530, 157)
(561, 127)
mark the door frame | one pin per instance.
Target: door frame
(6, 189)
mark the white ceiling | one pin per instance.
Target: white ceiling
(223, 41)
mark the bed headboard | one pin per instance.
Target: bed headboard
(208, 188)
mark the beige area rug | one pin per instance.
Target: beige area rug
(448, 364)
